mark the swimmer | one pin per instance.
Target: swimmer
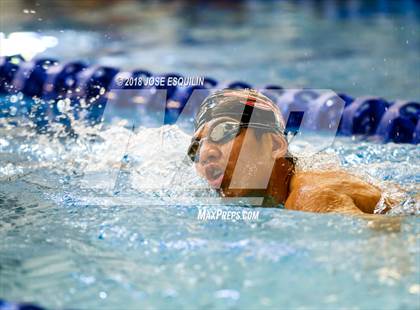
(240, 148)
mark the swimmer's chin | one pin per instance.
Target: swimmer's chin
(221, 186)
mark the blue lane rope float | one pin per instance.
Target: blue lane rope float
(399, 121)
(362, 116)
(61, 80)
(194, 100)
(31, 76)
(88, 88)
(6, 305)
(92, 85)
(8, 67)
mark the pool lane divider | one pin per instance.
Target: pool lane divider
(89, 88)
(7, 305)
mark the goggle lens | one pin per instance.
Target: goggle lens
(220, 133)
(224, 132)
(193, 150)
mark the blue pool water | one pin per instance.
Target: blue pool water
(70, 241)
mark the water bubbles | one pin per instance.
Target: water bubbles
(170, 293)
(13, 110)
(414, 289)
(388, 275)
(331, 299)
(88, 280)
(103, 295)
(13, 99)
(4, 143)
(28, 11)
(229, 294)
(60, 105)
(63, 105)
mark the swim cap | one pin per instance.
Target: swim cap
(245, 105)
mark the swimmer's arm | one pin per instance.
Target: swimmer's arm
(333, 191)
(321, 200)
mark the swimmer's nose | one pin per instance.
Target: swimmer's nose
(209, 153)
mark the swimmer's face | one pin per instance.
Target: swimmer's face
(241, 166)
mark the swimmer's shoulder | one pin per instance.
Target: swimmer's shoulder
(332, 187)
(327, 178)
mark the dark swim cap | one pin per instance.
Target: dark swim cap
(245, 105)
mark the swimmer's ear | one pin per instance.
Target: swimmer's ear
(279, 146)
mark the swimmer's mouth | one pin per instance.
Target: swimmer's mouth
(214, 175)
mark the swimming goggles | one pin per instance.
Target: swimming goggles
(222, 131)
